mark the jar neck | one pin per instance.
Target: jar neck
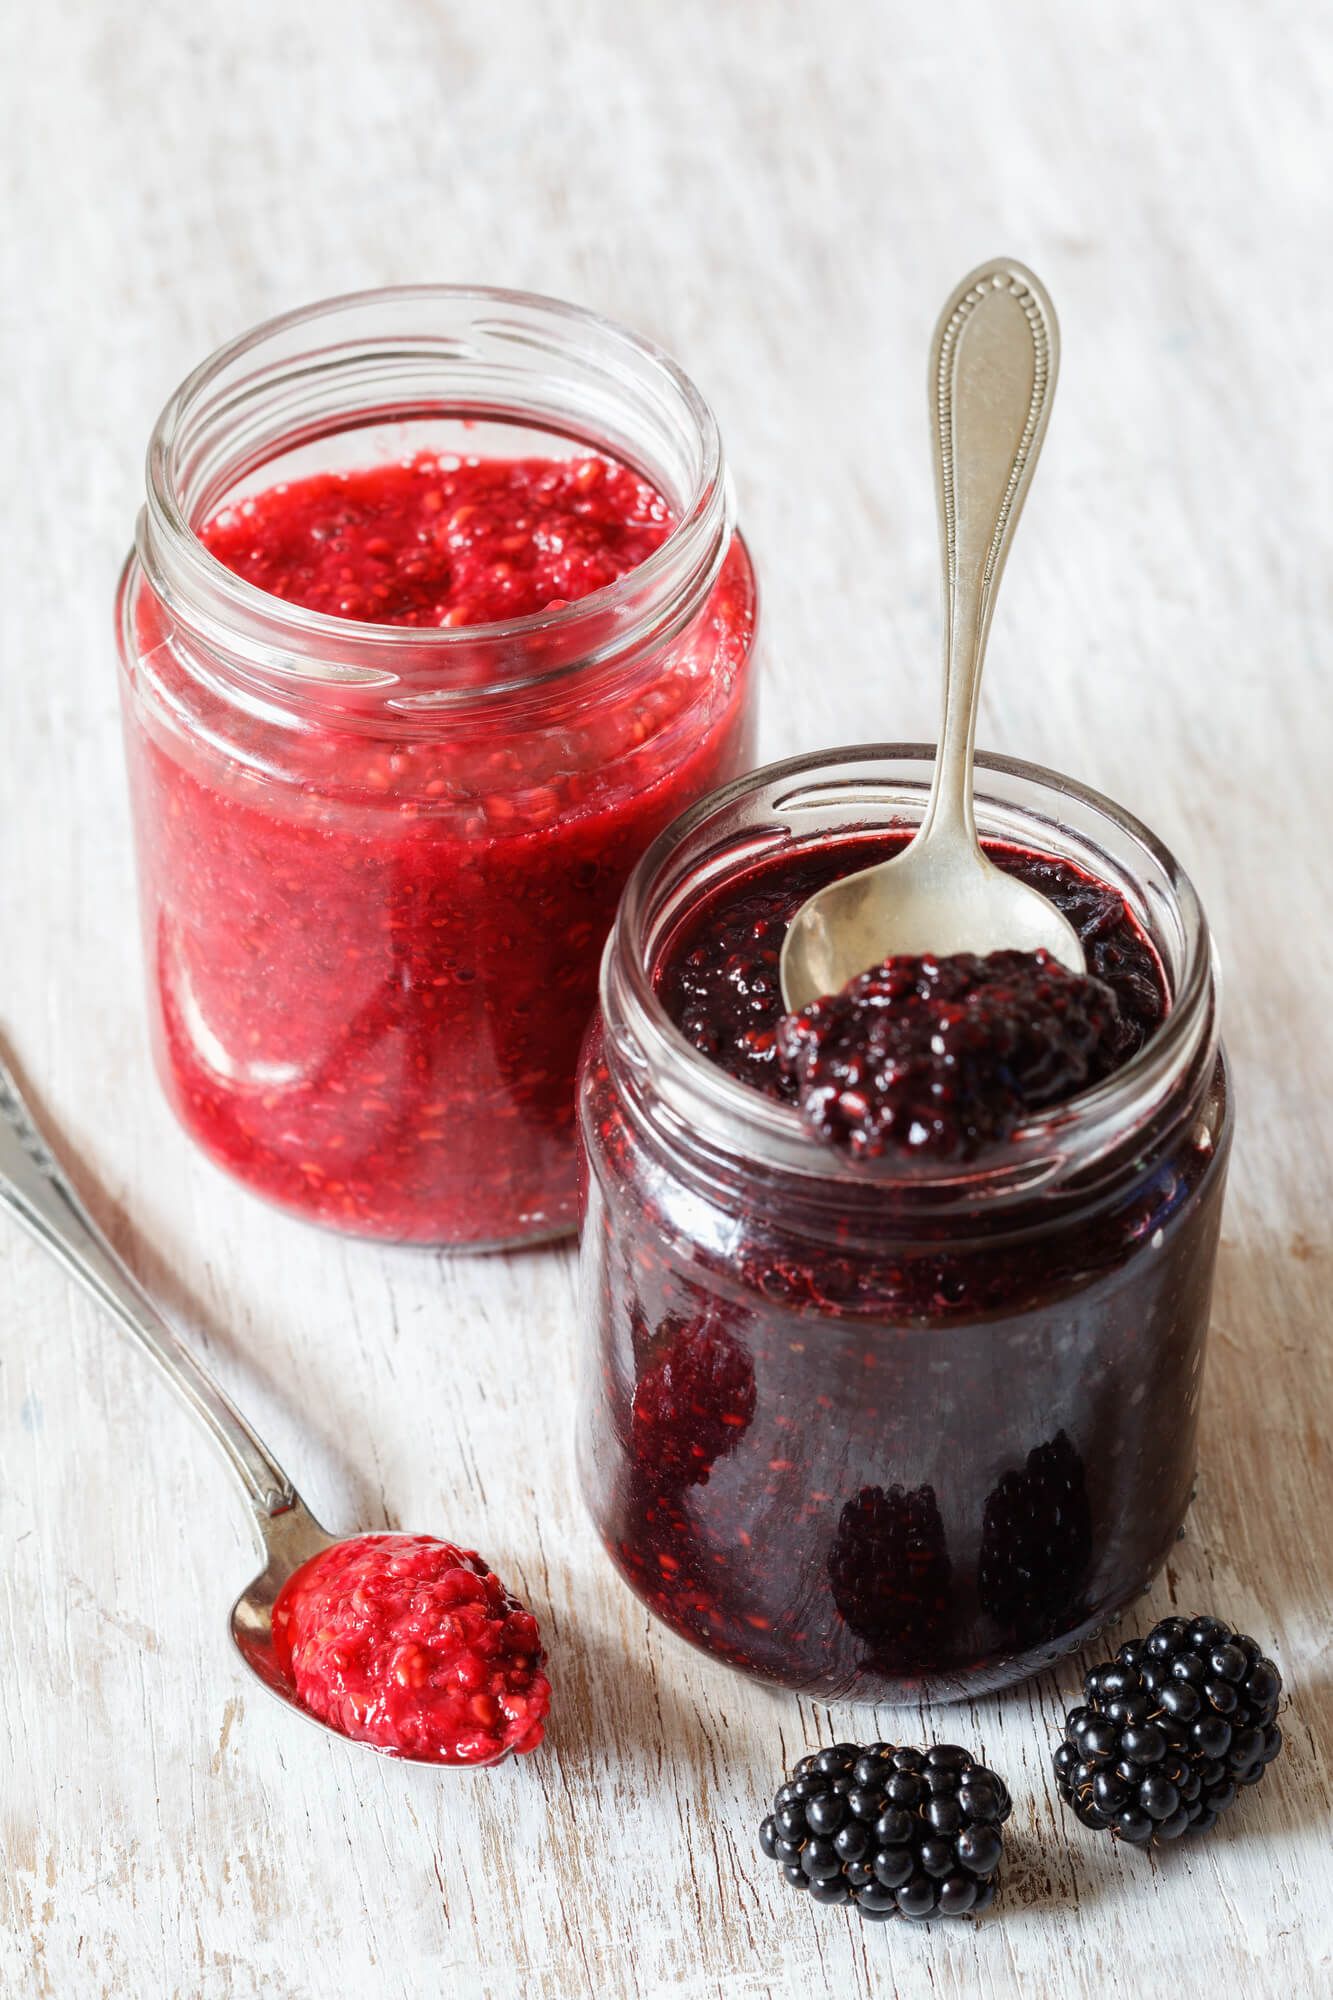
(728, 1135)
(421, 368)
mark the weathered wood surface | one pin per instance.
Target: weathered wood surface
(782, 194)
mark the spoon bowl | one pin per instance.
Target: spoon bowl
(292, 1538)
(932, 899)
(994, 359)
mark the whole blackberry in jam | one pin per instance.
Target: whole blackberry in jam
(694, 1402)
(889, 1571)
(1036, 1540)
(1169, 1731)
(898, 1832)
(945, 1056)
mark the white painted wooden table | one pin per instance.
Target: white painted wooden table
(783, 205)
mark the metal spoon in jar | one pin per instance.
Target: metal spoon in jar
(35, 1189)
(993, 365)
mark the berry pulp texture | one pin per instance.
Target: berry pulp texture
(444, 542)
(416, 1647)
(908, 1449)
(372, 943)
(946, 1056)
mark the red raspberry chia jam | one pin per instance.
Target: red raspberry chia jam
(415, 1646)
(398, 727)
(902, 1426)
(440, 542)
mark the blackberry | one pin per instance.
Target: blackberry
(889, 1571)
(1036, 1542)
(945, 1056)
(1169, 1731)
(896, 1831)
(694, 1403)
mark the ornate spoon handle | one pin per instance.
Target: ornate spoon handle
(33, 1187)
(993, 366)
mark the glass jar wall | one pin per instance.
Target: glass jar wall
(904, 1428)
(378, 862)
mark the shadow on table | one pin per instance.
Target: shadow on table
(1265, 1462)
(618, 1706)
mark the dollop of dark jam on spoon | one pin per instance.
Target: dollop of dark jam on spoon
(938, 1057)
(946, 1056)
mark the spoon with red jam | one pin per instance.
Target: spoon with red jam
(409, 1645)
(992, 378)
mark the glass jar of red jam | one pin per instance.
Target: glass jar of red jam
(904, 1427)
(437, 616)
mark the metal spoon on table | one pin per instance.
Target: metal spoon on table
(993, 365)
(34, 1188)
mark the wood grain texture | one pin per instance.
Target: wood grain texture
(783, 195)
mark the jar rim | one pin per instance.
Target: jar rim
(240, 618)
(706, 1104)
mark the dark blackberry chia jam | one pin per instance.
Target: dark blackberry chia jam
(903, 1426)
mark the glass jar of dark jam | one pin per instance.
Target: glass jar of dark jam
(904, 1427)
(437, 616)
